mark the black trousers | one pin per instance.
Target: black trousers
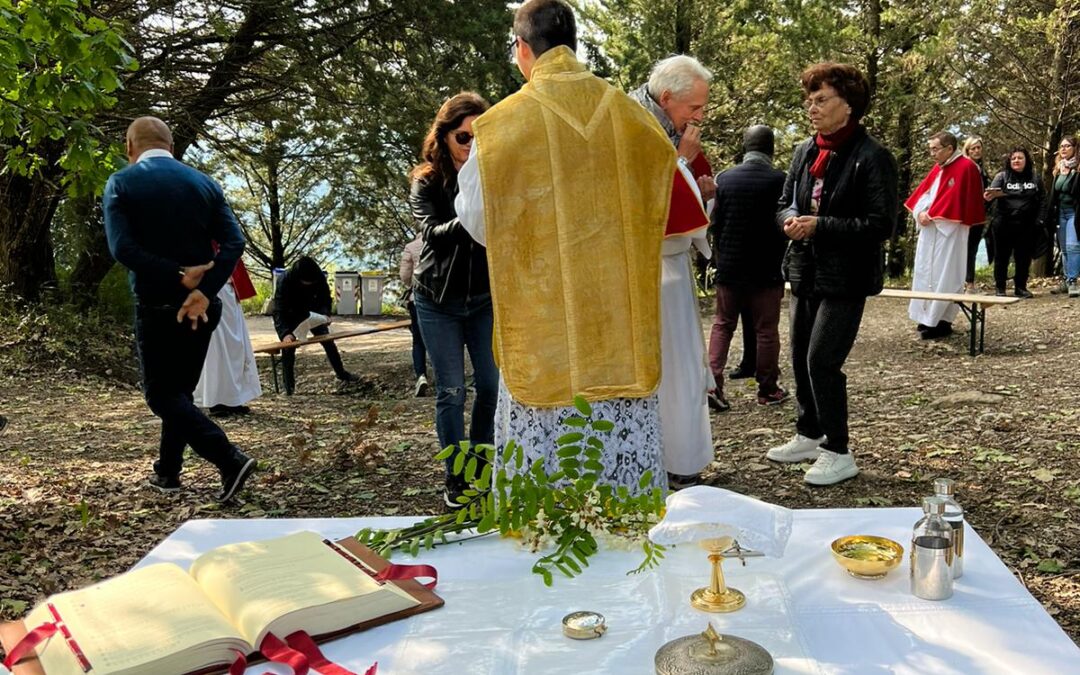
(288, 359)
(823, 331)
(1015, 240)
(419, 354)
(975, 235)
(748, 360)
(171, 358)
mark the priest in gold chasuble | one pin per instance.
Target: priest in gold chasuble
(569, 186)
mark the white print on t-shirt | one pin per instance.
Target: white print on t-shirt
(1020, 187)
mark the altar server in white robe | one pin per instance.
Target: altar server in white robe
(230, 379)
(947, 202)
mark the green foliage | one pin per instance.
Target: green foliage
(58, 337)
(564, 515)
(60, 66)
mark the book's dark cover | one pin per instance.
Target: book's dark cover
(12, 632)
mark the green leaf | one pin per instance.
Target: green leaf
(575, 421)
(603, 426)
(593, 465)
(1050, 566)
(446, 452)
(582, 405)
(508, 452)
(470, 470)
(459, 463)
(569, 451)
(569, 562)
(645, 480)
(570, 438)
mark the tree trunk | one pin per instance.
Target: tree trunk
(26, 253)
(873, 56)
(899, 246)
(1044, 266)
(241, 51)
(273, 198)
(94, 260)
(683, 33)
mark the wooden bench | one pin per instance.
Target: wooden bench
(972, 305)
(276, 348)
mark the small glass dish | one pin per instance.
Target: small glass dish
(583, 625)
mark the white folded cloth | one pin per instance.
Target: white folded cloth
(705, 512)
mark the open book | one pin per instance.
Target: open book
(161, 619)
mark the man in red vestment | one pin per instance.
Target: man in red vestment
(946, 203)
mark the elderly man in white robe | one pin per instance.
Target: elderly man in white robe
(676, 94)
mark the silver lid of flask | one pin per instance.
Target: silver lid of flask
(943, 486)
(933, 505)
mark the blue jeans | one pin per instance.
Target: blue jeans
(449, 329)
(1070, 245)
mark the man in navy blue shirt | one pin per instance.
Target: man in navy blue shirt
(161, 218)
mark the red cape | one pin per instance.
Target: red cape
(959, 197)
(686, 213)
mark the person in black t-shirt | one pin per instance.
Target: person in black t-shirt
(1018, 193)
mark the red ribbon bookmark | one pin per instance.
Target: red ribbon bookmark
(29, 642)
(394, 572)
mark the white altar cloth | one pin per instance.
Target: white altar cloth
(499, 618)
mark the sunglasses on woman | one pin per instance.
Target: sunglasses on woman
(463, 137)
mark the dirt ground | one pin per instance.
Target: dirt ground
(74, 509)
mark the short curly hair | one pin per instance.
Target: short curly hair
(846, 79)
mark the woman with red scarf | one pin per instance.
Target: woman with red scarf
(838, 207)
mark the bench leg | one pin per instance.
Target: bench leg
(273, 368)
(973, 315)
(977, 321)
(982, 327)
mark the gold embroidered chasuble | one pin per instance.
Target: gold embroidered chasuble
(577, 180)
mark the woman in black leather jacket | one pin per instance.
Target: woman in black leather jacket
(450, 285)
(838, 207)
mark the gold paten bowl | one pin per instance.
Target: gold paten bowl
(867, 557)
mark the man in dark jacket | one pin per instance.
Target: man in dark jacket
(749, 251)
(302, 292)
(161, 218)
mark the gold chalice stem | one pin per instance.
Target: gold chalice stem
(717, 597)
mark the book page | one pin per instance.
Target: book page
(254, 583)
(133, 619)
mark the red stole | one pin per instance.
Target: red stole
(959, 197)
(686, 213)
(242, 282)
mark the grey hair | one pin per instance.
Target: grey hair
(677, 74)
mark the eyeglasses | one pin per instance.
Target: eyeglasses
(817, 102)
(463, 137)
(510, 48)
(936, 150)
(1065, 145)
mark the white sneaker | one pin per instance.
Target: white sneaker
(422, 386)
(1074, 290)
(797, 449)
(831, 468)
